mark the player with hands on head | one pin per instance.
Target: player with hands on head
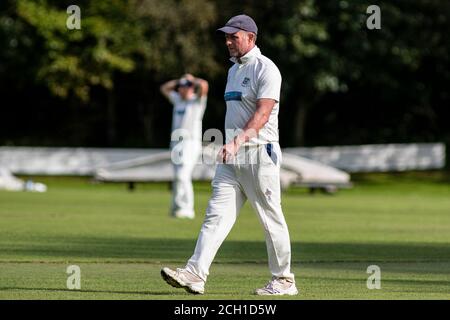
(189, 97)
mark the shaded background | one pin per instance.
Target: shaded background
(342, 83)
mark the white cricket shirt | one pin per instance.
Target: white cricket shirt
(254, 78)
(188, 114)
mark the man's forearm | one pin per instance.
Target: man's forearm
(256, 122)
(168, 86)
(251, 129)
(202, 86)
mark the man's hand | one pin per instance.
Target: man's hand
(189, 77)
(201, 85)
(228, 152)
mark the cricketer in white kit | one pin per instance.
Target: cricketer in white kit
(189, 97)
(250, 169)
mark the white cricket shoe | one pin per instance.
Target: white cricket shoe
(278, 287)
(184, 214)
(181, 278)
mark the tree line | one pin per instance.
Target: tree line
(342, 82)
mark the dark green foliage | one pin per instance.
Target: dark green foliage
(342, 83)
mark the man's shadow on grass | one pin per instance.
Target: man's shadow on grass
(147, 293)
(163, 250)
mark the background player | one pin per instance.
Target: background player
(189, 97)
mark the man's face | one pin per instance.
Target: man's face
(238, 43)
(186, 92)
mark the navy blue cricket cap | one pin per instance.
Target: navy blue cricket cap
(184, 83)
(240, 22)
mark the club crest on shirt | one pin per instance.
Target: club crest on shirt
(246, 82)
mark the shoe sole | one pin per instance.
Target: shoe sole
(174, 283)
(279, 294)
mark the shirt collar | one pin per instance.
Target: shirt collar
(248, 56)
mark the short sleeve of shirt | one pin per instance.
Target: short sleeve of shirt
(269, 85)
(174, 97)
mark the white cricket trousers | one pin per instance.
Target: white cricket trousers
(185, 155)
(254, 175)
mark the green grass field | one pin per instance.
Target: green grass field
(121, 240)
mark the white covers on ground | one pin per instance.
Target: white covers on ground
(64, 161)
(158, 167)
(311, 173)
(11, 183)
(145, 165)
